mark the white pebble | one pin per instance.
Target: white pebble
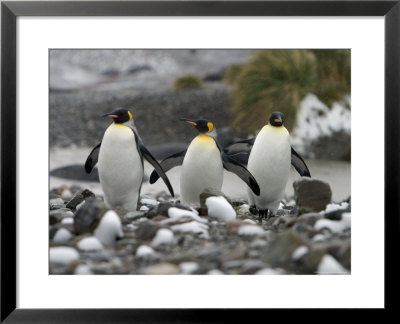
(83, 269)
(214, 272)
(62, 235)
(318, 238)
(258, 243)
(66, 194)
(163, 236)
(333, 225)
(250, 230)
(67, 220)
(188, 267)
(144, 208)
(329, 265)
(176, 213)
(299, 252)
(193, 227)
(91, 243)
(56, 201)
(109, 229)
(116, 262)
(68, 214)
(220, 208)
(334, 207)
(63, 255)
(131, 227)
(144, 250)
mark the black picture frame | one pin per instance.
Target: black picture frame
(11, 10)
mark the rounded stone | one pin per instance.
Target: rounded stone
(311, 195)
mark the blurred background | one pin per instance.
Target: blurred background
(235, 89)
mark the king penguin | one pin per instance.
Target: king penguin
(269, 161)
(202, 165)
(119, 157)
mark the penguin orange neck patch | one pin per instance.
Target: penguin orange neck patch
(119, 124)
(203, 136)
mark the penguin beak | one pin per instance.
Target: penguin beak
(278, 120)
(191, 122)
(110, 115)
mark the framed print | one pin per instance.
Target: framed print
(326, 70)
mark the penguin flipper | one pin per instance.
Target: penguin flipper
(233, 166)
(91, 160)
(242, 145)
(299, 164)
(249, 141)
(150, 158)
(240, 150)
(240, 157)
(168, 163)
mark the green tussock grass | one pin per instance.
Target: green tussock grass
(232, 72)
(334, 75)
(277, 80)
(187, 82)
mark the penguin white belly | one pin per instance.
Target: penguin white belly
(269, 163)
(120, 168)
(201, 168)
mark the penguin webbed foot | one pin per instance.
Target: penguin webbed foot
(262, 213)
(253, 209)
(265, 213)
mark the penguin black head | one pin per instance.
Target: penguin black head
(276, 119)
(202, 125)
(120, 115)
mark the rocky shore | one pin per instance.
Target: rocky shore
(308, 235)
